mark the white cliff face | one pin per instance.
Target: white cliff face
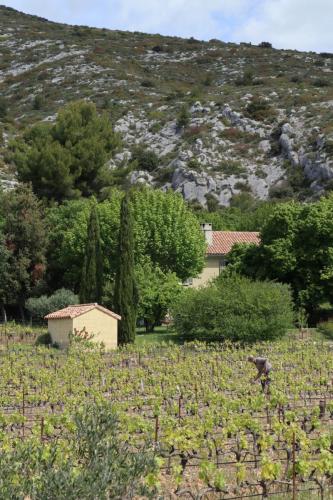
(213, 156)
(316, 164)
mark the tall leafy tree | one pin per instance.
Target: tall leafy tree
(157, 292)
(67, 159)
(296, 248)
(167, 232)
(125, 286)
(91, 289)
(25, 235)
(67, 240)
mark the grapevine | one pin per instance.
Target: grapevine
(212, 430)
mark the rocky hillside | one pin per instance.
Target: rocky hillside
(222, 118)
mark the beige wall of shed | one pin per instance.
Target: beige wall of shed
(210, 271)
(103, 326)
(59, 330)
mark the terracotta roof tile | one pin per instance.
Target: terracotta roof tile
(223, 241)
(73, 311)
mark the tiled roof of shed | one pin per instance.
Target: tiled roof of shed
(223, 241)
(73, 311)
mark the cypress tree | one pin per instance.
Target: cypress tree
(92, 272)
(125, 286)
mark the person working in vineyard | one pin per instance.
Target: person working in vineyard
(264, 369)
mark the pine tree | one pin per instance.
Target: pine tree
(92, 272)
(125, 286)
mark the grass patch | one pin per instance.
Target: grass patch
(326, 329)
(160, 335)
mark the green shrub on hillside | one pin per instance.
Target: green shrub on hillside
(145, 158)
(235, 308)
(321, 82)
(148, 84)
(230, 167)
(246, 78)
(3, 107)
(183, 117)
(38, 102)
(259, 109)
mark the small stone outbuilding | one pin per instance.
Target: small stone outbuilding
(91, 318)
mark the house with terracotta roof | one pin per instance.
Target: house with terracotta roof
(219, 244)
(98, 324)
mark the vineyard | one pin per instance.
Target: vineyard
(214, 433)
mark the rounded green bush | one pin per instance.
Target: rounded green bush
(235, 308)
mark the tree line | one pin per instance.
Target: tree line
(296, 248)
(79, 246)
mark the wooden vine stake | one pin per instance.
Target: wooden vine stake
(41, 428)
(294, 468)
(23, 411)
(157, 426)
(268, 418)
(180, 407)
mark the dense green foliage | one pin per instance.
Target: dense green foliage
(235, 308)
(144, 159)
(157, 292)
(94, 463)
(43, 305)
(167, 232)
(91, 289)
(125, 285)
(67, 240)
(25, 236)
(244, 214)
(197, 401)
(296, 248)
(67, 159)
